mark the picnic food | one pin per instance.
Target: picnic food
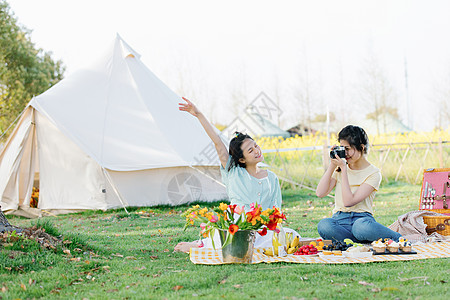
(337, 246)
(358, 251)
(289, 245)
(405, 245)
(379, 246)
(318, 244)
(355, 247)
(358, 248)
(392, 246)
(292, 243)
(306, 250)
(269, 251)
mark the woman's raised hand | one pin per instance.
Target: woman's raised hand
(210, 130)
(189, 107)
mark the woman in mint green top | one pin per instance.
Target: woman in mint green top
(244, 189)
(246, 183)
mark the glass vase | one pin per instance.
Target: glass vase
(240, 250)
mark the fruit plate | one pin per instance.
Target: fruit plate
(357, 254)
(331, 256)
(306, 255)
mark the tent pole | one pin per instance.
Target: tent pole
(115, 190)
(13, 122)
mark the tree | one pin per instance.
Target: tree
(341, 103)
(24, 70)
(323, 117)
(441, 99)
(239, 93)
(304, 93)
(276, 92)
(376, 92)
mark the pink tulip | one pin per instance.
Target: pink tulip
(203, 226)
(239, 209)
(214, 219)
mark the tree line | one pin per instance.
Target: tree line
(25, 71)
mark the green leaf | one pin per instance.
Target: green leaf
(265, 218)
(211, 235)
(228, 240)
(240, 221)
(230, 216)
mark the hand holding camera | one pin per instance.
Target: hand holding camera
(340, 152)
(337, 150)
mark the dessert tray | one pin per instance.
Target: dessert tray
(400, 252)
(345, 254)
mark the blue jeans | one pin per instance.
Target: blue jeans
(359, 227)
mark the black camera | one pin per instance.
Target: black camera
(339, 151)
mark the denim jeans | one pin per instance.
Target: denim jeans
(359, 227)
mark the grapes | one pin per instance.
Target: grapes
(340, 246)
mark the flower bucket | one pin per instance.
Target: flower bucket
(240, 250)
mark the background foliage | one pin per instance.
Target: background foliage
(399, 156)
(25, 71)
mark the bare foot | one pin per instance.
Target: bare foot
(186, 246)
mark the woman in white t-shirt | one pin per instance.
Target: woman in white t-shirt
(356, 181)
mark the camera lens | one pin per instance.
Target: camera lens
(339, 151)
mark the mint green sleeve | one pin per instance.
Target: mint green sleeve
(276, 192)
(224, 171)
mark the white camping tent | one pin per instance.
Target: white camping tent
(109, 135)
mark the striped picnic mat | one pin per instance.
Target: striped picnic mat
(209, 256)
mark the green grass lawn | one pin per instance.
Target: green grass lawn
(118, 256)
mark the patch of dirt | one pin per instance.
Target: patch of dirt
(33, 233)
(14, 253)
(43, 238)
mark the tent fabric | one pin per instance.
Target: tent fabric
(17, 160)
(113, 121)
(80, 173)
(168, 186)
(109, 135)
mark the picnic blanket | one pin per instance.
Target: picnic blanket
(209, 256)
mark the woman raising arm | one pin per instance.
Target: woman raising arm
(209, 129)
(245, 181)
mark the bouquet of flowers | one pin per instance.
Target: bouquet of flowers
(34, 197)
(233, 218)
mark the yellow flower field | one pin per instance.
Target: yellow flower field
(401, 157)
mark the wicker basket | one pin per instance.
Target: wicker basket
(433, 221)
(440, 211)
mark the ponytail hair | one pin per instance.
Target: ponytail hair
(356, 137)
(235, 149)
